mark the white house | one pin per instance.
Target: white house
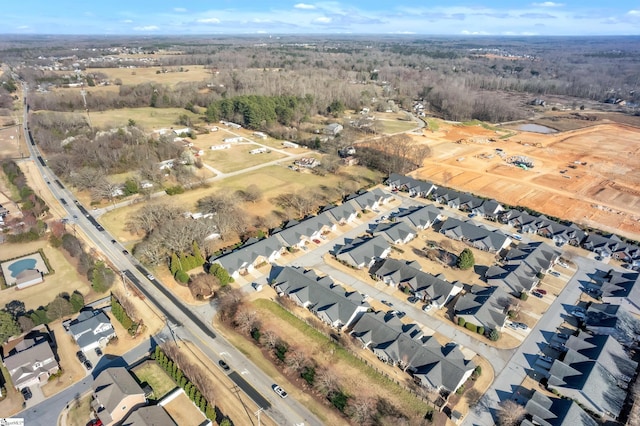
(219, 147)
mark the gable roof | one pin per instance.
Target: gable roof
(294, 234)
(110, 387)
(419, 217)
(151, 415)
(414, 186)
(479, 236)
(602, 349)
(30, 362)
(365, 200)
(248, 254)
(486, 304)
(440, 366)
(394, 231)
(341, 212)
(91, 326)
(321, 295)
(363, 251)
(546, 411)
(621, 324)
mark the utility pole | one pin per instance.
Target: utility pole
(257, 414)
(84, 99)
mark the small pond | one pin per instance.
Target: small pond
(536, 128)
(21, 265)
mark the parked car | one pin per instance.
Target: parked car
(555, 274)
(522, 326)
(412, 299)
(317, 241)
(26, 393)
(386, 302)
(562, 264)
(541, 291)
(87, 364)
(98, 351)
(516, 237)
(598, 257)
(401, 314)
(471, 215)
(512, 325)
(224, 365)
(536, 294)
(125, 252)
(113, 241)
(81, 356)
(427, 307)
(277, 389)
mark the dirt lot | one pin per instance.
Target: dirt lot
(603, 191)
(184, 412)
(12, 142)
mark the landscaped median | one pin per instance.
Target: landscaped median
(326, 373)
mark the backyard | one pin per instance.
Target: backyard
(150, 372)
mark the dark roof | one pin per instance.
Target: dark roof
(546, 411)
(362, 251)
(485, 304)
(480, 237)
(394, 231)
(419, 216)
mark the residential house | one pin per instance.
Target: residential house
(591, 382)
(259, 135)
(431, 364)
(298, 234)
(234, 139)
(483, 306)
(115, 395)
(220, 147)
(542, 410)
(415, 187)
(561, 234)
(613, 320)
(182, 131)
(260, 150)
(622, 288)
(327, 300)
(363, 252)
(150, 415)
(27, 278)
(307, 162)
(489, 209)
(342, 214)
(419, 217)
(244, 259)
(29, 359)
(288, 144)
(476, 236)
(448, 196)
(522, 267)
(602, 349)
(395, 233)
(469, 203)
(91, 329)
(333, 129)
(433, 289)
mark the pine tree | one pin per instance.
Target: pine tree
(175, 264)
(198, 254)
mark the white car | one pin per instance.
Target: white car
(516, 237)
(150, 277)
(562, 264)
(427, 307)
(277, 389)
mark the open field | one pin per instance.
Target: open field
(396, 126)
(130, 76)
(238, 157)
(12, 143)
(272, 180)
(603, 191)
(148, 118)
(151, 373)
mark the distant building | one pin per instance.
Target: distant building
(288, 144)
(307, 162)
(260, 150)
(333, 129)
(259, 135)
(219, 147)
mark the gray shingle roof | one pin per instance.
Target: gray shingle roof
(394, 232)
(363, 251)
(152, 415)
(110, 387)
(84, 328)
(321, 295)
(22, 365)
(341, 212)
(614, 320)
(478, 236)
(485, 305)
(248, 254)
(602, 349)
(546, 411)
(414, 186)
(419, 217)
(294, 234)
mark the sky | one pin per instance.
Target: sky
(428, 17)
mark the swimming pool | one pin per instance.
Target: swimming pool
(21, 265)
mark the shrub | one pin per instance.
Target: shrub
(281, 351)
(309, 374)
(478, 371)
(339, 400)
(524, 296)
(466, 259)
(174, 190)
(471, 327)
(481, 330)
(255, 333)
(182, 277)
(461, 322)
(494, 335)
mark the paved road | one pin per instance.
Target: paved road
(45, 413)
(192, 326)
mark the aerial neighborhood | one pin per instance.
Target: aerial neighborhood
(319, 230)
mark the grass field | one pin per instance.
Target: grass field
(238, 158)
(160, 382)
(272, 180)
(397, 126)
(130, 76)
(147, 118)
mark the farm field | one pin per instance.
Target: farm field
(590, 176)
(148, 118)
(132, 76)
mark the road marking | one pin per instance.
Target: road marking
(245, 371)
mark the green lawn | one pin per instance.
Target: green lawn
(433, 124)
(160, 382)
(148, 118)
(390, 126)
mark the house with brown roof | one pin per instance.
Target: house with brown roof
(115, 395)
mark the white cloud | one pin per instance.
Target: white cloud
(23, 27)
(179, 9)
(548, 4)
(147, 28)
(466, 32)
(633, 13)
(323, 20)
(127, 21)
(208, 21)
(304, 6)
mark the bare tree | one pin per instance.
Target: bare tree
(296, 359)
(251, 194)
(245, 320)
(511, 413)
(270, 339)
(326, 382)
(300, 202)
(362, 411)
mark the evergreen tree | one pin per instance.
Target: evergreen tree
(198, 254)
(175, 265)
(466, 259)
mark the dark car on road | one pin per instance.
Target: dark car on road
(125, 252)
(224, 365)
(87, 364)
